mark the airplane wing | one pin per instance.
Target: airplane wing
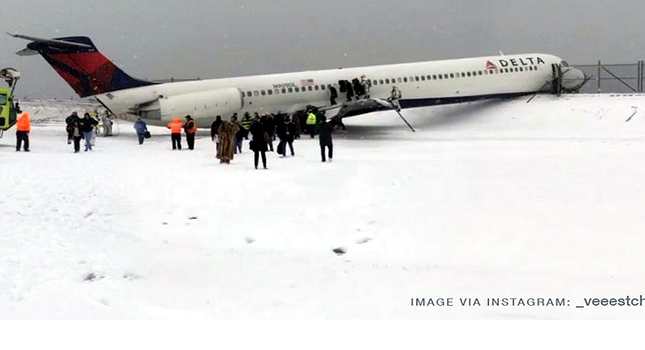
(358, 107)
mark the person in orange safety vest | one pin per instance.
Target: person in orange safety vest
(175, 127)
(191, 130)
(23, 127)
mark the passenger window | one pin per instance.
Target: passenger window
(270, 92)
(405, 80)
(521, 70)
(423, 78)
(387, 81)
(284, 91)
(290, 90)
(452, 75)
(249, 94)
(256, 93)
(381, 81)
(296, 89)
(434, 76)
(309, 88)
(322, 87)
(416, 78)
(263, 92)
(316, 87)
(277, 91)
(399, 80)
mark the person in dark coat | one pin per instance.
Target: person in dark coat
(333, 95)
(324, 136)
(269, 128)
(77, 133)
(87, 127)
(214, 127)
(191, 130)
(70, 121)
(291, 133)
(258, 143)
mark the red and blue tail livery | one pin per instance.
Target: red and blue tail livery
(83, 67)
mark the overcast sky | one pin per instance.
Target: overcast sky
(211, 39)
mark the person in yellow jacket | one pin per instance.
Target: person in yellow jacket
(311, 123)
(23, 127)
(175, 127)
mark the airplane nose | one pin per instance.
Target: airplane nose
(573, 79)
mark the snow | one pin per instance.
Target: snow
(497, 199)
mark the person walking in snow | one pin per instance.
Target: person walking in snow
(226, 136)
(23, 127)
(324, 136)
(87, 127)
(258, 142)
(141, 128)
(175, 127)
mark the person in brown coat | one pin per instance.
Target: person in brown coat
(226, 141)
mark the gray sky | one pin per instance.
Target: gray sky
(211, 39)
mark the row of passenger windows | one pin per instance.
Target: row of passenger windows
(398, 80)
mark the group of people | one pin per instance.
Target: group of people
(355, 89)
(228, 135)
(80, 128)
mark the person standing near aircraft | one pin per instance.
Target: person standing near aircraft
(87, 127)
(76, 133)
(141, 129)
(333, 95)
(311, 123)
(246, 124)
(175, 127)
(23, 127)
(240, 135)
(69, 122)
(214, 126)
(291, 132)
(367, 84)
(106, 120)
(191, 130)
(325, 129)
(227, 141)
(258, 143)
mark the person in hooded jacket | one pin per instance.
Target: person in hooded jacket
(141, 128)
(175, 127)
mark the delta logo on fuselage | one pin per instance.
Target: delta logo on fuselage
(515, 62)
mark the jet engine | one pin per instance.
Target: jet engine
(204, 105)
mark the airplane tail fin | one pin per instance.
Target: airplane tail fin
(79, 62)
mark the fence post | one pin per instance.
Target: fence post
(598, 77)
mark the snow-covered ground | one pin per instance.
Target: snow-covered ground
(490, 200)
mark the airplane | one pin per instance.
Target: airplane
(385, 87)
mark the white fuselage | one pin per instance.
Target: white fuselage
(421, 84)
